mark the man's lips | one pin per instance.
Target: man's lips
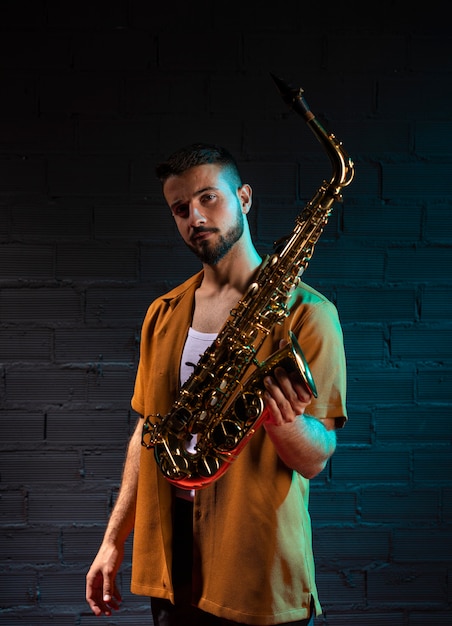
(200, 235)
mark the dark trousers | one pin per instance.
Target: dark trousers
(183, 613)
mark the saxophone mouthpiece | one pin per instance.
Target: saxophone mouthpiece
(293, 97)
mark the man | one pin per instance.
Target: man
(239, 550)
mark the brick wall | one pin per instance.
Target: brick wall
(93, 94)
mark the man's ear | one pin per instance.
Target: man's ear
(245, 194)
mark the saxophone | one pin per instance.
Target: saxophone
(221, 403)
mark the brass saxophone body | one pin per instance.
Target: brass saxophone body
(222, 401)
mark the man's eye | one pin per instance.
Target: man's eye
(180, 211)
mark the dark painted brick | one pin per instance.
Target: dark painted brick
(376, 303)
(421, 343)
(418, 180)
(106, 344)
(286, 214)
(93, 427)
(437, 226)
(167, 263)
(377, 52)
(80, 543)
(428, 545)
(357, 430)
(121, 304)
(371, 465)
(28, 345)
(56, 223)
(20, 546)
(435, 385)
(86, 15)
(146, 97)
(31, 50)
(314, 171)
(405, 97)
(352, 545)
(118, 49)
(379, 386)
(333, 507)
(353, 618)
(364, 343)
(36, 136)
(366, 184)
(83, 93)
(98, 259)
(22, 97)
(388, 221)
(428, 264)
(117, 136)
(104, 466)
(62, 587)
(58, 508)
(417, 618)
(434, 466)
(40, 466)
(27, 261)
(227, 48)
(13, 507)
(426, 51)
(23, 13)
(18, 588)
(266, 20)
(148, 222)
(401, 506)
(111, 385)
(140, 617)
(33, 387)
(21, 426)
(341, 264)
(90, 175)
(144, 181)
(380, 138)
(277, 180)
(419, 424)
(447, 504)
(433, 138)
(282, 138)
(21, 173)
(342, 588)
(46, 616)
(274, 49)
(403, 585)
(195, 127)
(40, 305)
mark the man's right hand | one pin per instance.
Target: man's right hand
(102, 594)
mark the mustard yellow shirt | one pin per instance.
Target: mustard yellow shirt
(254, 562)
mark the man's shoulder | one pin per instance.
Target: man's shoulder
(174, 295)
(305, 294)
(188, 285)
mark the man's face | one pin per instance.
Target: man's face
(208, 210)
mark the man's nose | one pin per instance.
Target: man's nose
(196, 215)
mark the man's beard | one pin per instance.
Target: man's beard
(211, 255)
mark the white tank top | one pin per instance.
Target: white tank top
(195, 346)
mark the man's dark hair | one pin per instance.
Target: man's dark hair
(197, 154)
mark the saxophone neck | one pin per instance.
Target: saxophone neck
(343, 167)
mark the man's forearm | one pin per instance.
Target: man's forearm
(305, 445)
(122, 518)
